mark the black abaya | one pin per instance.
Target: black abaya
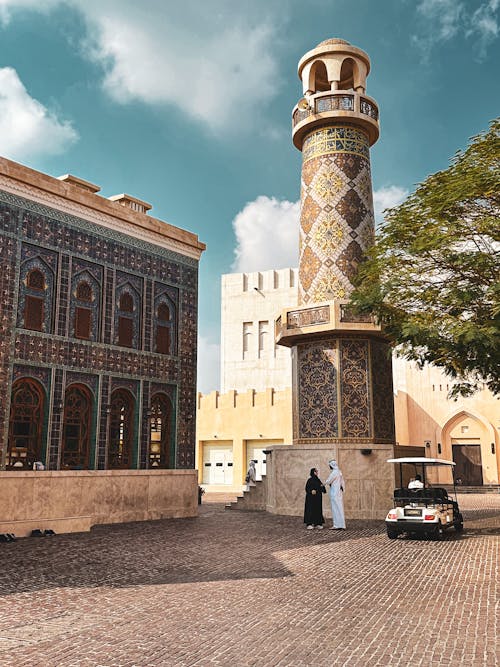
(313, 510)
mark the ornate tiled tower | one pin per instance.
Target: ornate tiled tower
(342, 380)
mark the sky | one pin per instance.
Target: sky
(187, 105)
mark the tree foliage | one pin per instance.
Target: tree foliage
(432, 278)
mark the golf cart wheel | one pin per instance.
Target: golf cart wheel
(392, 534)
(438, 532)
(458, 525)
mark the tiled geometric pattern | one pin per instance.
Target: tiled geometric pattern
(317, 408)
(67, 247)
(337, 211)
(383, 411)
(334, 381)
(355, 395)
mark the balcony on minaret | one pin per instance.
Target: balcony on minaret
(334, 83)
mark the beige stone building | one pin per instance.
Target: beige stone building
(237, 425)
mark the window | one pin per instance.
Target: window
(83, 323)
(160, 432)
(84, 292)
(121, 427)
(25, 425)
(35, 280)
(125, 331)
(263, 336)
(34, 305)
(247, 338)
(126, 303)
(76, 428)
(163, 329)
(126, 320)
(33, 313)
(83, 314)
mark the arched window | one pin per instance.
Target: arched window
(84, 292)
(160, 432)
(34, 303)
(126, 303)
(126, 320)
(83, 311)
(347, 75)
(164, 329)
(121, 429)
(319, 77)
(76, 427)
(25, 424)
(35, 280)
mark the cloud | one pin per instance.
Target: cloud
(267, 235)
(442, 20)
(208, 365)
(484, 25)
(387, 197)
(27, 128)
(215, 64)
(267, 230)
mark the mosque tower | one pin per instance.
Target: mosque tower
(342, 375)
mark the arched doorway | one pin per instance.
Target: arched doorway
(27, 410)
(466, 439)
(160, 429)
(76, 428)
(121, 429)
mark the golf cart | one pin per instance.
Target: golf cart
(426, 511)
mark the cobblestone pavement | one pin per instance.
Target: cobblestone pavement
(234, 588)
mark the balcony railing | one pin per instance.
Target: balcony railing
(337, 102)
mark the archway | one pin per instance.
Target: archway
(160, 429)
(27, 409)
(121, 429)
(76, 427)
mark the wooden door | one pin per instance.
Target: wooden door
(468, 469)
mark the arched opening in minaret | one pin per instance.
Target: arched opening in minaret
(347, 74)
(319, 77)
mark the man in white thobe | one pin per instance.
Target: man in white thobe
(337, 486)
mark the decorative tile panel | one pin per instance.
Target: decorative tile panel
(355, 388)
(337, 223)
(383, 394)
(317, 390)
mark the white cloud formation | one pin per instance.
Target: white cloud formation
(267, 235)
(387, 197)
(443, 20)
(215, 64)
(27, 128)
(267, 230)
(208, 365)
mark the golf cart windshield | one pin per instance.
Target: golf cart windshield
(418, 466)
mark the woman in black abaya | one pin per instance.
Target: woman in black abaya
(313, 511)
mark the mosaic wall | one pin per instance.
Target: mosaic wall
(317, 404)
(337, 223)
(383, 408)
(68, 249)
(355, 381)
(334, 380)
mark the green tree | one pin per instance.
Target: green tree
(432, 278)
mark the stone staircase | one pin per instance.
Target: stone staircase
(254, 498)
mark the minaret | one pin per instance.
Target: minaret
(342, 382)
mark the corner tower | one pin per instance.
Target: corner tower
(342, 381)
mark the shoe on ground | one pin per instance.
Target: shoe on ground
(319, 527)
(310, 527)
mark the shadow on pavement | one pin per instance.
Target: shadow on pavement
(217, 545)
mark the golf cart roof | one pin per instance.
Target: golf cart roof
(422, 460)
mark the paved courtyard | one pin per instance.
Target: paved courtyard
(237, 589)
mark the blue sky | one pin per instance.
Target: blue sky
(187, 106)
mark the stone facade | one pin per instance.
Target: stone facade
(85, 284)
